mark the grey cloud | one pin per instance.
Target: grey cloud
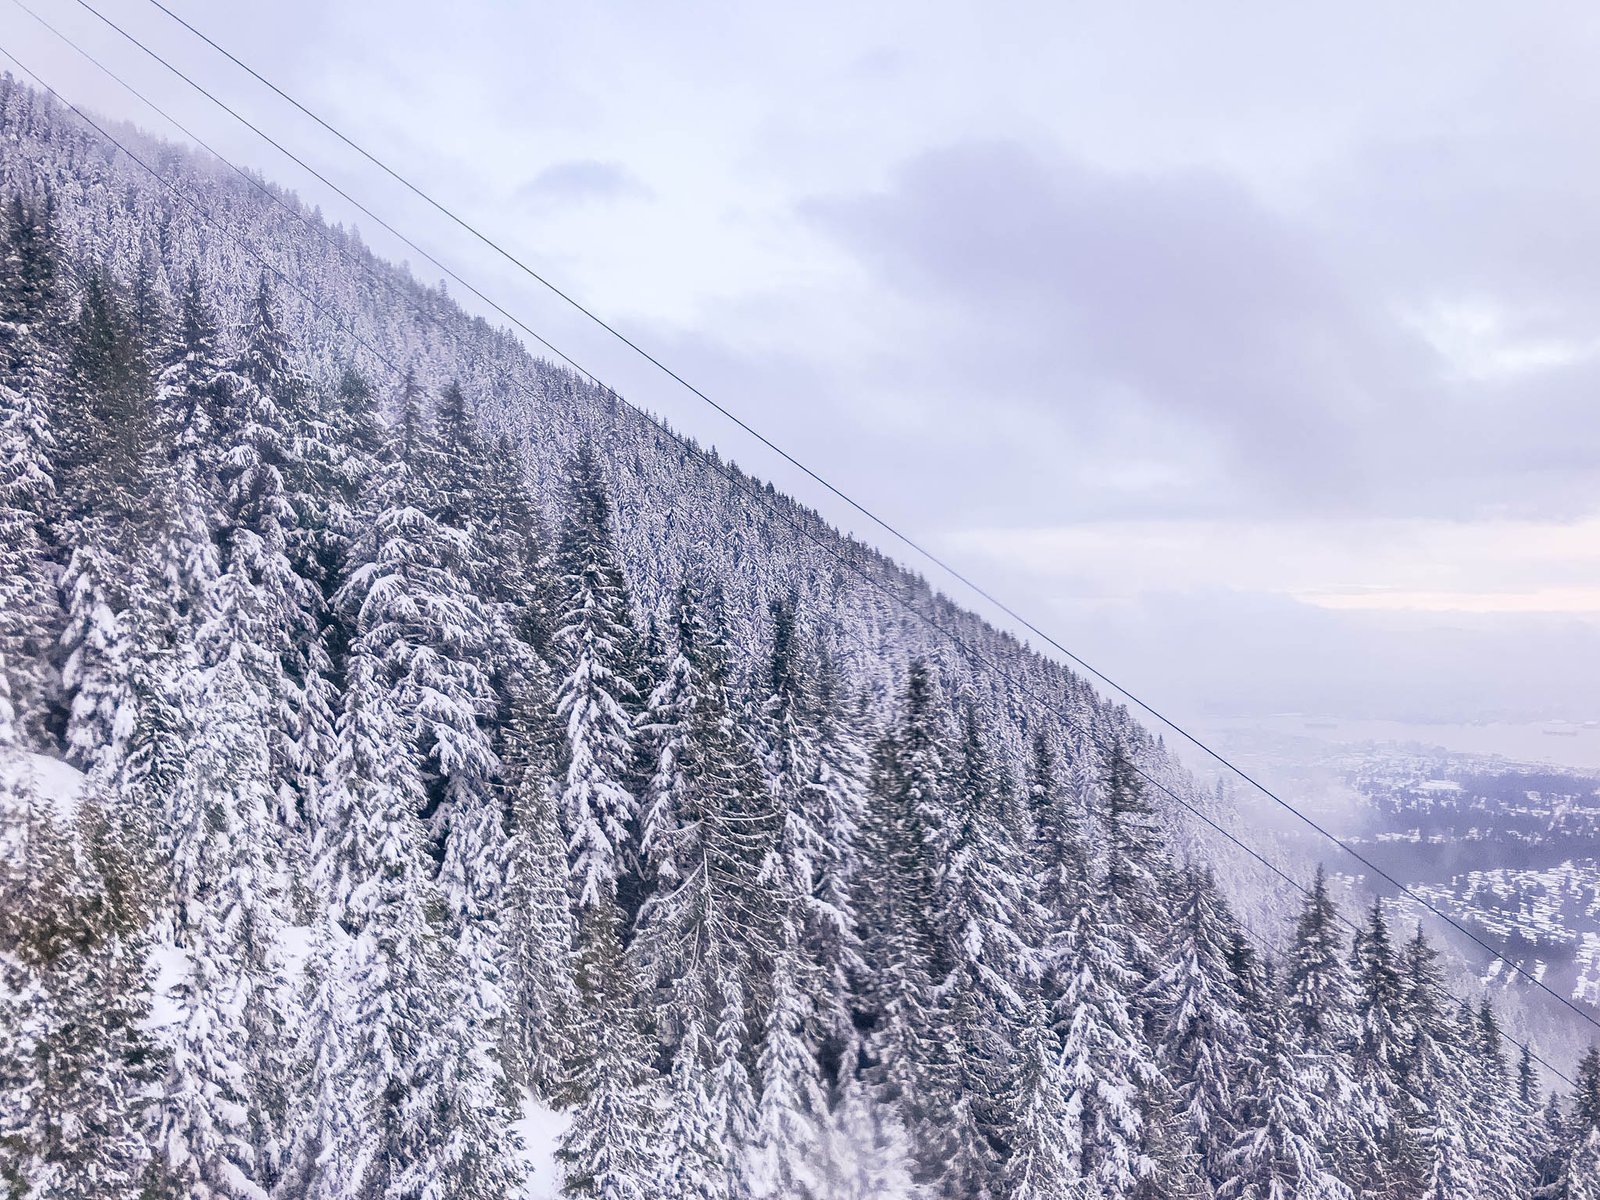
(579, 181)
(1178, 298)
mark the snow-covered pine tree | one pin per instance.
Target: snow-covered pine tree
(1203, 1039)
(78, 1063)
(1105, 1062)
(326, 1106)
(1436, 1082)
(813, 851)
(793, 1112)
(979, 914)
(732, 1096)
(1039, 1166)
(706, 833)
(842, 730)
(1136, 868)
(263, 609)
(596, 705)
(224, 1108)
(104, 472)
(30, 368)
(543, 1005)
(1059, 853)
(692, 1165)
(428, 1113)
(1579, 1177)
(898, 887)
(1388, 1156)
(1283, 1120)
(1319, 996)
(410, 605)
(612, 1148)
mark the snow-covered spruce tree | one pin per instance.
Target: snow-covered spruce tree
(1203, 1040)
(1060, 854)
(1040, 1166)
(262, 602)
(1282, 1129)
(1388, 1157)
(815, 789)
(426, 1117)
(596, 705)
(692, 1165)
(326, 1105)
(906, 808)
(612, 1148)
(816, 794)
(707, 831)
(979, 909)
(793, 1111)
(1136, 868)
(1436, 1082)
(224, 1106)
(1319, 998)
(104, 472)
(1106, 1065)
(410, 605)
(76, 1063)
(845, 729)
(543, 1005)
(30, 369)
(732, 1096)
(1502, 1147)
(1578, 1175)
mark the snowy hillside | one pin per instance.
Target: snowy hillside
(475, 792)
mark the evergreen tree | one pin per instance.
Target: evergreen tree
(415, 616)
(706, 835)
(611, 1149)
(225, 1096)
(1040, 1167)
(979, 910)
(542, 993)
(793, 1109)
(815, 800)
(1387, 1151)
(1283, 1122)
(595, 702)
(1106, 1065)
(1203, 1039)
(1135, 866)
(430, 1118)
(1436, 1083)
(264, 612)
(326, 1107)
(30, 367)
(899, 883)
(1579, 1164)
(75, 1061)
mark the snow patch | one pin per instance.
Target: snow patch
(540, 1129)
(48, 778)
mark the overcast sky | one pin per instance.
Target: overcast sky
(1252, 349)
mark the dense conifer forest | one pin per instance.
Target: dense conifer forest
(458, 744)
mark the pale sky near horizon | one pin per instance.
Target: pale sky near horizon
(1252, 349)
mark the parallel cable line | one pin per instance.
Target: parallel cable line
(757, 494)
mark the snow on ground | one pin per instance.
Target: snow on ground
(540, 1129)
(49, 778)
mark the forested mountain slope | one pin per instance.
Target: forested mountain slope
(456, 740)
